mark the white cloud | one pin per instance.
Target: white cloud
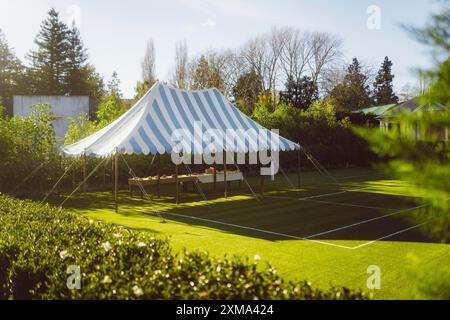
(208, 23)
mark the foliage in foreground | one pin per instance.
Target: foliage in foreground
(39, 242)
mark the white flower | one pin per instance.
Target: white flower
(117, 234)
(218, 269)
(257, 257)
(107, 279)
(141, 244)
(64, 254)
(137, 291)
(107, 246)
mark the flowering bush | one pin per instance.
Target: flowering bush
(38, 243)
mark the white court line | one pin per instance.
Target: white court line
(330, 202)
(365, 221)
(253, 229)
(388, 236)
(308, 238)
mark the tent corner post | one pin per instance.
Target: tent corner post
(158, 174)
(84, 172)
(225, 174)
(299, 168)
(176, 185)
(116, 178)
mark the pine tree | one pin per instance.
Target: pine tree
(353, 93)
(11, 72)
(49, 63)
(75, 80)
(383, 92)
(300, 93)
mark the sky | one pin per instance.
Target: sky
(115, 32)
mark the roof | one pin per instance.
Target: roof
(376, 110)
(164, 116)
(412, 105)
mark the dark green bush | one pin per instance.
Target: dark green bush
(39, 242)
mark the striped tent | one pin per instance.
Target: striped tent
(148, 127)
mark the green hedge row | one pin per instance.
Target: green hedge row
(38, 243)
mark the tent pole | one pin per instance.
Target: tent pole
(225, 173)
(116, 176)
(262, 184)
(158, 174)
(299, 168)
(176, 185)
(84, 172)
(112, 174)
(215, 176)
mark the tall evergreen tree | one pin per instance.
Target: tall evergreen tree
(49, 63)
(383, 92)
(11, 72)
(354, 92)
(75, 80)
(247, 90)
(300, 93)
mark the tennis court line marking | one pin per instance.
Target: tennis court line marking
(322, 201)
(365, 221)
(253, 229)
(308, 238)
(388, 236)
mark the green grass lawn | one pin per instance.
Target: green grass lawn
(291, 227)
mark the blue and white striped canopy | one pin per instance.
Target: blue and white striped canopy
(166, 118)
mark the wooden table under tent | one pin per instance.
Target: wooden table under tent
(210, 176)
(149, 126)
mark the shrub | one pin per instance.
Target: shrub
(39, 242)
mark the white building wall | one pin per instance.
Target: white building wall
(62, 107)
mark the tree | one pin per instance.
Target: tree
(76, 64)
(148, 64)
(206, 75)
(300, 93)
(11, 71)
(148, 71)
(180, 77)
(383, 92)
(49, 63)
(111, 106)
(353, 93)
(246, 91)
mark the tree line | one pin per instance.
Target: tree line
(294, 66)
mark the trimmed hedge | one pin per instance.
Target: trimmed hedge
(39, 242)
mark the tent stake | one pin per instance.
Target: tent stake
(116, 176)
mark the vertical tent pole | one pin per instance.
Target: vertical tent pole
(84, 172)
(158, 174)
(262, 183)
(225, 173)
(116, 178)
(215, 176)
(298, 167)
(112, 173)
(176, 185)
(104, 173)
